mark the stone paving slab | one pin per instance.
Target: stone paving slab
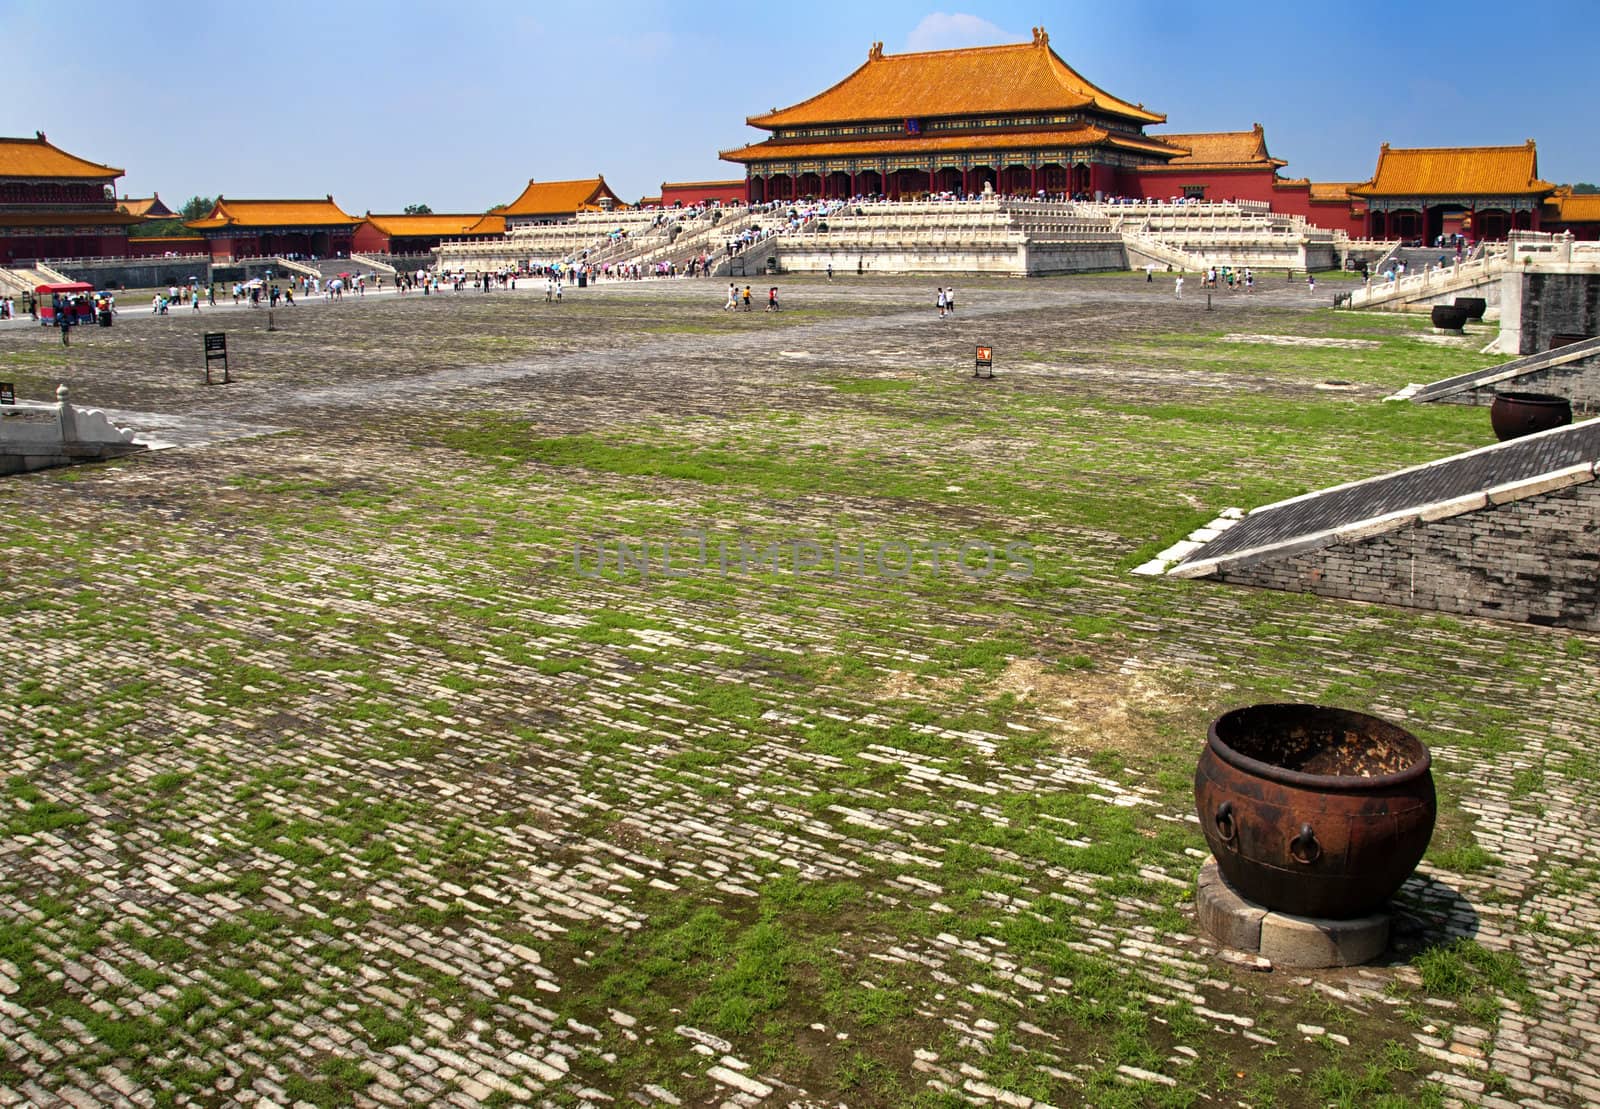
(329, 774)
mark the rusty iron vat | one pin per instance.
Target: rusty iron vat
(1513, 415)
(1314, 811)
(1449, 317)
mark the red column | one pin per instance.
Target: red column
(1033, 178)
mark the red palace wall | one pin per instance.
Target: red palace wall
(691, 195)
(369, 240)
(1252, 184)
(40, 247)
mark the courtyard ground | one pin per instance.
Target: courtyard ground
(371, 750)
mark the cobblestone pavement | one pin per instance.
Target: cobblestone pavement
(338, 770)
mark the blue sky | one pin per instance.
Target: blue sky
(457, 104)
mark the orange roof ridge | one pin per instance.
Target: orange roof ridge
(1456, 170)
(553, 197)
(39, 157)
(955, 82)
(267, 213)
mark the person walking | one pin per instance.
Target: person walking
(733, 298)
(747, 298)
(1311, 284)
(830, 271)
(938, 300)
(950, 299)
(1177, 288)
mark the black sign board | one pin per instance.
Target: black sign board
(984, 367)
(8, 393)
(217, 347)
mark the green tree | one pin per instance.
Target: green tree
(418, 210)
(196, 207)
(1588, 188)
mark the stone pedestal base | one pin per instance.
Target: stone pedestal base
(1291, 941)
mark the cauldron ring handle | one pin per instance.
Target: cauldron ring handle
(1225, 827)
(1304, 848)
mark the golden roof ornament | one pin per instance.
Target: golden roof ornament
(875, 54)
(1041, 37)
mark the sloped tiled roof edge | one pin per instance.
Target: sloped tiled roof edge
(1009, 77)
(1494, 375)
(1570, 454)
(1511, 491)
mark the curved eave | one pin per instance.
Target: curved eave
(1534, 188)
(1271, 164)
(775, 150)
(840, 104)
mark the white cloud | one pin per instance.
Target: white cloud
(952, 30)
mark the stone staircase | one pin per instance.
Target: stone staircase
(24, 279)
(1418, 258)
(372, 265)
(1145, 249)
(1426, 285)
(708, 234)
(16, 282)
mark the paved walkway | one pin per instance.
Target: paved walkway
(332, 779)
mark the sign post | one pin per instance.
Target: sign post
(8, 392)
(984, 367)
(217, 347)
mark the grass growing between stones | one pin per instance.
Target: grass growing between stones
(335, 773)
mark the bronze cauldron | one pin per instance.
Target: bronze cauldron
(1314, 811)
(1513, 415)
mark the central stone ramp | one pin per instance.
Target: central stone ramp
(1505, 531)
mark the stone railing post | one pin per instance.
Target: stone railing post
(66, 418)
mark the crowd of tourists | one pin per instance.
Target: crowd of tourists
(1219, 277)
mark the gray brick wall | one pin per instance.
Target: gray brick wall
(1558, 303)
(1535, 561)
(1578, 381)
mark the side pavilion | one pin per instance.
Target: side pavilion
(237, 229)
(57, 205)
(1479, 192)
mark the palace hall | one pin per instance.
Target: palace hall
(1014, 119)
(57, 205)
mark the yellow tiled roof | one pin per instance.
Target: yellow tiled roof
(1024, 77)
(1332, 190)
(150, 207)
(35, 157)
(1222, 150)
(910, 146)
(545, 198)
(273, 213)
(1576, 207)
(1456, 171)
(492, 224)
(422, 226)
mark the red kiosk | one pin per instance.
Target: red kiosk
(77, 295)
